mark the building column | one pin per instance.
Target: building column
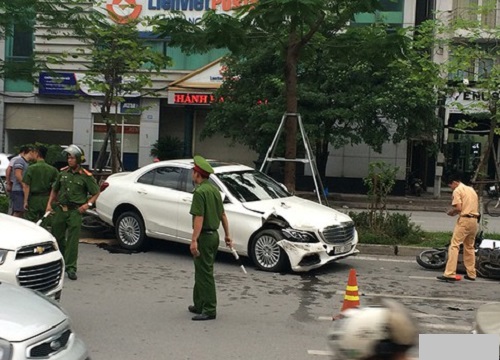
(188, 132)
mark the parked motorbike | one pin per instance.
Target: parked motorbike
(415, 185)
(487, 257)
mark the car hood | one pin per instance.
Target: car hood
(18, 232)
(24, 314)
(300, 213)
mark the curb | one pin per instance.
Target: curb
(389, 250)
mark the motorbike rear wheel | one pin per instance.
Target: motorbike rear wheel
(433, 259)
(492, 207)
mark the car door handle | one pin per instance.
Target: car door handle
(188, 200)
(141, 191)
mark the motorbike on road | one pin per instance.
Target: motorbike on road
(487, 257)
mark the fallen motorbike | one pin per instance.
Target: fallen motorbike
(487, 257)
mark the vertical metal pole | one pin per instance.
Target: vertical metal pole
(272, 148)
(311, 163)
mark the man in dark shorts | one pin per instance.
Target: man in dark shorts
(19, 167)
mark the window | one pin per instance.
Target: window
(187, 179)
(147, 178)
(20, 45)
(167, 177)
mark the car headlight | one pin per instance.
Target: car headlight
(300, 236)
(5, 350)
(3, 256)
(56, 246)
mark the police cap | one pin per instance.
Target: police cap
(202, 166)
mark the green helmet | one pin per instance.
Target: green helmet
(75, 151)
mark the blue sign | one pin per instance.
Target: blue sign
(131, 106)
(52, 83)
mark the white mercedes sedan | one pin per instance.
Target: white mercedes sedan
(274, 228)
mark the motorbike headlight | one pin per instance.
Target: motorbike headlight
(3, 256)
(5, 350)
(297, 235)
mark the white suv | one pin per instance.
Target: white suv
(30, 257)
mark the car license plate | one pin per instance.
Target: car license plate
(342, 249)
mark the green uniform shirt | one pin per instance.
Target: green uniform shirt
(40, 176)
(74, 187)
(207, 202)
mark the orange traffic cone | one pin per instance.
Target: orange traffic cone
(351, 297)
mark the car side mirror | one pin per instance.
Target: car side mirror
(225, 200)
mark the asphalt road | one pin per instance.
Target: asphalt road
(134, 306)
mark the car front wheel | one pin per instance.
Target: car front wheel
(265, 252)
(130, 231)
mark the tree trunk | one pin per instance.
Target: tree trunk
(101, 159)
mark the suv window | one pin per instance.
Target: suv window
(167, 177)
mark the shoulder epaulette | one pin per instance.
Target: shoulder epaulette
(86, 172)
(64, 168)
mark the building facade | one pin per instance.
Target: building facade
(49, 113)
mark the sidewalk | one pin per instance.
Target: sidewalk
(426, 202)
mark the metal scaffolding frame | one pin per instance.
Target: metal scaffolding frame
(318, 184)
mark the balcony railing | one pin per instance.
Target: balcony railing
(489, 19)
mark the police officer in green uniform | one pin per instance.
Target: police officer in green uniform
(208, 212)
(70, 193)
(37, 184)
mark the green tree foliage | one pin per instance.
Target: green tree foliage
(120, 63)
(350, 84)
(380, 182)
(167, 147)
(349, 91)
(288, 25)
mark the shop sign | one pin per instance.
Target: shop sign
(191, 98)
(61, 83)
(122, 11)
(130, 106)
(470, 101)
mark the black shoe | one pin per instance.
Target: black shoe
(72, 275)
(203, 317)
(469, 278)
(447, 278)
(192, 309)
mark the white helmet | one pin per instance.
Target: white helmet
(75, 151)
(375, 331)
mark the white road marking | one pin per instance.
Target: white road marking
(467, 328)
(320, 352)
(330, 353)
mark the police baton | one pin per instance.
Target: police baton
(43, 217)
(236, 256)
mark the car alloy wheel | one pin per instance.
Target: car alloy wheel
(130, 231)
(265, 251)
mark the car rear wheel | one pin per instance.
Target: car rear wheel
(130, 231)
(265, 252)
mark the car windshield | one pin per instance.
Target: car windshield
(252, 185)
